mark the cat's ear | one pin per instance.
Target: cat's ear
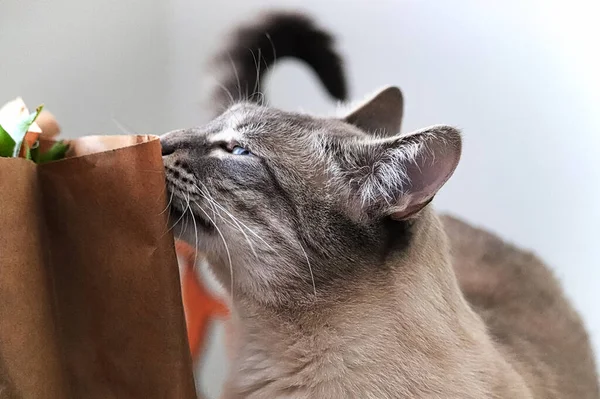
(381, 115)
(399, 176)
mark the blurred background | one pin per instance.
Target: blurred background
(519, 77)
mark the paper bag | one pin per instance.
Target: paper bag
(90, 300)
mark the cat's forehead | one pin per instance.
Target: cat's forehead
(250, 121)
(247, 116)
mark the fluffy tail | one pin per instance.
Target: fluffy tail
(255, 48)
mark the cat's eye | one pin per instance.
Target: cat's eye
(237, 150)
(234, 148)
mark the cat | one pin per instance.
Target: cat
(342, 280)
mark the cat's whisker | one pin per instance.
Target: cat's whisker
(178, 220)
(168, 204)
(216, 214)
(186, 209)
(206, 195)
(241, 224)
(184, 220)
(272, 48)
(224, 243)
(214, 210)
(234, 218)
(256, 89)
(237, 76)
(312, 276)
(195, 238)
(164, 190)
(237, 225)
(228, 92)
(167, 184)
(257, 66)
(241, 230)
(122, 126)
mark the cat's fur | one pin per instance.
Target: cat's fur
(343, 281)
(253, 49)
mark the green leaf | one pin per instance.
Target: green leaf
(7, 144)
(35, 152)
(56, 152)
(27, 152)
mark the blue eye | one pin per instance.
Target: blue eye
(237, 150)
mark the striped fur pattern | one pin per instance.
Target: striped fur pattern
(343, 281)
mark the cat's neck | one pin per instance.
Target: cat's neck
(416, 323)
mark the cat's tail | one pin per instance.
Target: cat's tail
(241, 67)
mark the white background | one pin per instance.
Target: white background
(520, 77)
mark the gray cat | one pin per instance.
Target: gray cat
(343, 281)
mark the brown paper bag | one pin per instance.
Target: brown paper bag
(90, 301)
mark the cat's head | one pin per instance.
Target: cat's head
(289, 204)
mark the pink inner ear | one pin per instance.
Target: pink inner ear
(432, 167)
(410, 210)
